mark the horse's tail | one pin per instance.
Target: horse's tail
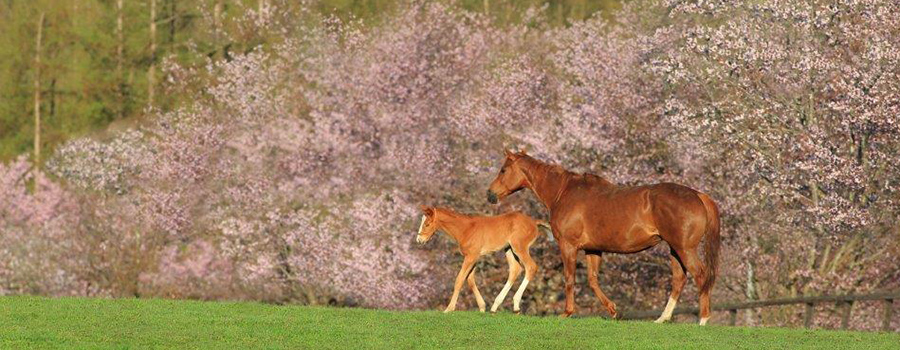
(713, 242)
(545, 225)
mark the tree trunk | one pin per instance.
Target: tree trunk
(120, 58)
(37, 94)
(151, 72)
(263, 8)
(173, 21)
(217, 25)
(751, 292)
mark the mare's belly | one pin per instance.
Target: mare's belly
(623, 241)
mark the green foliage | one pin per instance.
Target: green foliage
(82, 89)
(30, 322)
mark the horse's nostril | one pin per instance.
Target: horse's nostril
(491, 197)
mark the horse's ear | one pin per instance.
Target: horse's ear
(523, 149)
(509, 154)
(427, 210)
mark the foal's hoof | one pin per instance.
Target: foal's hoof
(661, 320)
(566, 314)
(518, 312)
(612, 312)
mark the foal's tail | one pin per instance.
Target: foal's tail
(713, 241)
(545, 225)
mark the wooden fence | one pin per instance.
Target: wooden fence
(844, 302)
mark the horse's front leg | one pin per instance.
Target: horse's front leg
(467, 265)
(569, 253)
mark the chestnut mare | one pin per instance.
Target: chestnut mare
(589, 213)
(480, 235)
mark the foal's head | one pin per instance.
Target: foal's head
(428, 226)
(509, 180)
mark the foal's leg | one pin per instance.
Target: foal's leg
(514, 270)
(530, 269)
(475, 291)
(467, 265)
(593, 263)
(691, 261)
(678, 280)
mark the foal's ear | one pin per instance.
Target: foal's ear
(509, 154)
(427, 210)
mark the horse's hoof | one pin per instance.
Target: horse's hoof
(565, 315)
(660, 320)
(518, 312)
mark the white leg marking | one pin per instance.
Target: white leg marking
(667, 313)
(518, 297)
(501, 296)
(703, 321)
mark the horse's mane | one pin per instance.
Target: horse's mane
(556, 168)
(452, 213)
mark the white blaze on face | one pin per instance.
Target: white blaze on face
(422, 225)
(419, 238)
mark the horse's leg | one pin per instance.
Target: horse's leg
(478, 298)
(678, 280)
(514, 270)
(569, 253)
(530, 269)
(467, 265)
(693, 264)
(593, 262)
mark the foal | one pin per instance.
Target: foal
(480, 235)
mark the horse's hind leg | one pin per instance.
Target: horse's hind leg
(678, 280)
(593, 262)
(530, 270)
(693, 264)
(514, 270)
(475, 291)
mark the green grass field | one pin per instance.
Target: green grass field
(33, 322)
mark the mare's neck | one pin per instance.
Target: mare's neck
(549, 182)
(546, 182)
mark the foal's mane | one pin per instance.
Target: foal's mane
(452, 213)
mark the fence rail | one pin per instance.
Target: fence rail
(845, 302)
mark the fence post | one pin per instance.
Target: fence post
(808, 317)
(845, 313)
(888, 309)
(733, 317)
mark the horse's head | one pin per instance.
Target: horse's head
(510, 179)
(428, 226)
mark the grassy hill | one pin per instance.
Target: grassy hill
(34, 322)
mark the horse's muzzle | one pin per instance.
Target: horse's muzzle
(421, 239)
(491, 197)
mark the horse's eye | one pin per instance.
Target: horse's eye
(502, 170)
